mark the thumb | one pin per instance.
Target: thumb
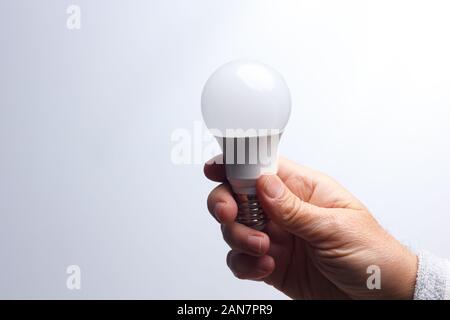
(287, 210)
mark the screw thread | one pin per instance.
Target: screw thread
(250, 212)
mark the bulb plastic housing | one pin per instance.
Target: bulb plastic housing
(246, 105)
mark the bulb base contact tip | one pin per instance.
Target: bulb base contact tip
(250, 212)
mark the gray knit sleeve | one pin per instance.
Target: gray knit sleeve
(433, 278)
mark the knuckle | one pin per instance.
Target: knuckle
(240, 276)
(213, 196)
(210, 199)
(235, 266)
(226, 233)
(291, 209)
(301, 184)
(229, 258)
(232, 238)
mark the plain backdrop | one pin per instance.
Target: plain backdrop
(86, 119)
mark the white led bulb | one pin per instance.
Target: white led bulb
(246, 105)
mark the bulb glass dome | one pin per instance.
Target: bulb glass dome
(244, 98)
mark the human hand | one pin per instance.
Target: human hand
(319, 242)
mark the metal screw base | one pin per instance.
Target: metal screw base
(250, 212)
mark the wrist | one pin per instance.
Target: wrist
(406, 275)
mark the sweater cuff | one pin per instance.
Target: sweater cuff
(433, 278)
(447, 285)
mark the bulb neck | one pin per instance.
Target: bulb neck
(243, 177)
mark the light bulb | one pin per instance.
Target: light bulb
(246, 105)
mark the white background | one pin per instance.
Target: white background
(86, 118)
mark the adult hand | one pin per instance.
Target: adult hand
(319, 242)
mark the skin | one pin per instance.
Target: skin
(319, 242)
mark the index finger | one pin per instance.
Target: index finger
(215, 170)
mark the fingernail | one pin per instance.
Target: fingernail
(217, 209)
(255, 243)
(273, 187)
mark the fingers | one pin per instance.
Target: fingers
(247, 267)
(215, 170)
(287, 210)
(222, 205)
(246, 240)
